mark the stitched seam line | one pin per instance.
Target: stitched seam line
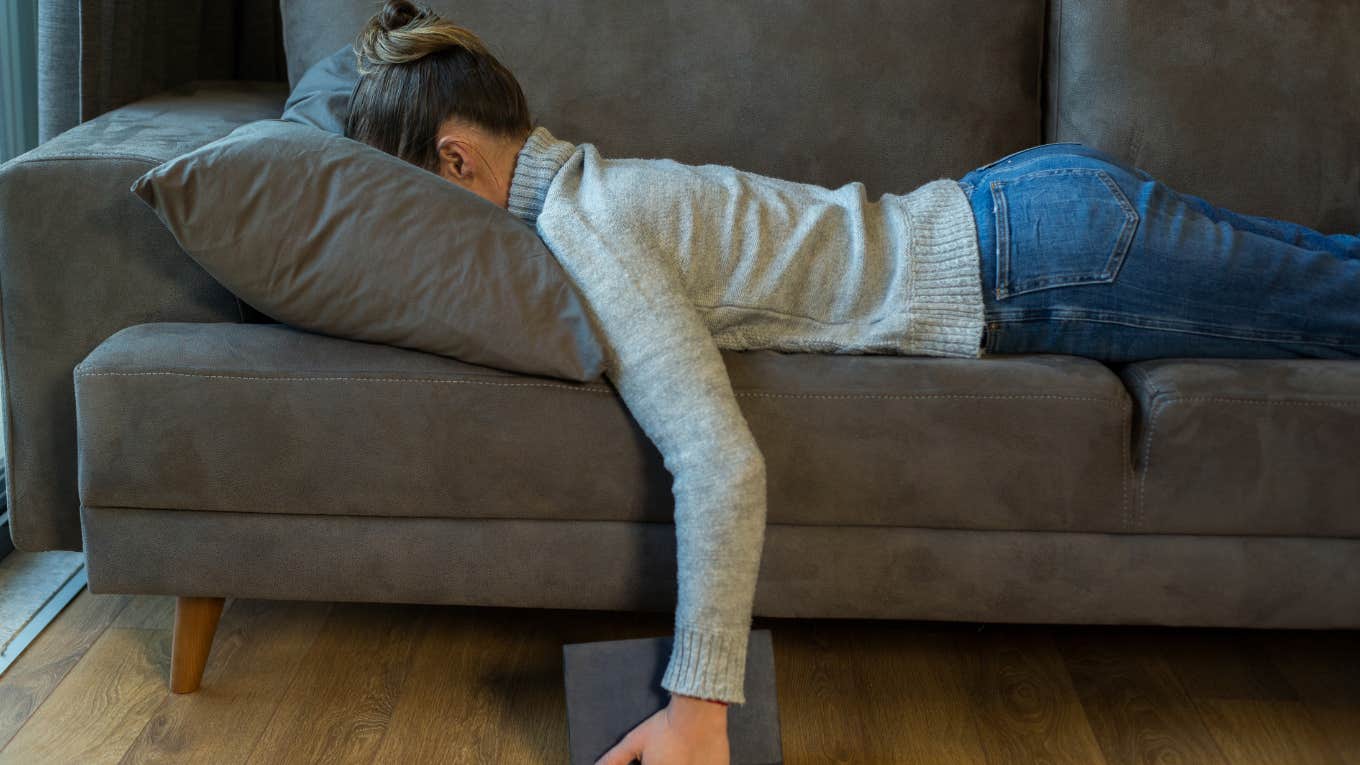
(1141, 376)
(582, 389)
(970, 396)
(1284, 401)
(763, 394)
(1125, 468)
(1147, 463)
(91, 155)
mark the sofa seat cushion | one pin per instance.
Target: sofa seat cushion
(266, 418)
(1247, 446)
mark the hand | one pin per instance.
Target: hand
(687, 731)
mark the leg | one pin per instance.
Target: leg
(1085, 256)
(195, 625)
(1283, 231)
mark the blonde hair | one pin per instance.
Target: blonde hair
(417, 70)
(403, 32)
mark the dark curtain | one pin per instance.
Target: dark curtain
(96, 55)
(18, 79)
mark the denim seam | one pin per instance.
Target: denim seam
(1142, 322)
(1161, 402)
(1001, 219)
(997, 164)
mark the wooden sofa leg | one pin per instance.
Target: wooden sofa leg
(195, 625)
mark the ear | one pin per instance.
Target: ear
(455, 158)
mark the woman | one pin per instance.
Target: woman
(1057, 249)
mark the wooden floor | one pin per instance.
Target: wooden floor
(299, 682)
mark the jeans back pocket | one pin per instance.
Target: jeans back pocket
(1059, 227)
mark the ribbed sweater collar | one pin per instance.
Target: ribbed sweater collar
(537, 163)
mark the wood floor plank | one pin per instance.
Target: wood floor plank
(821, 698)
(316, 682)
(1027, 709)
(1324, 668)
(1223, 664)
(915, 704)
(1255, 732)
(27, 683)
(483, 687)
(258, 647)
(149, 612)
(1251, 710)
(341, 698)
(101, 705)
(1136, 706)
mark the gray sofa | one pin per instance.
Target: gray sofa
(194, 447)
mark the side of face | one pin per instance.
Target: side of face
(479, 162)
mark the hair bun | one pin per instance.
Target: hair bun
(396, 14)
(403, 32)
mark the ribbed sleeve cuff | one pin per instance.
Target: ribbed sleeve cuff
(946, 286)
(710, 664)
(538, 161)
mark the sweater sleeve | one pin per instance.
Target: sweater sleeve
(666, 367)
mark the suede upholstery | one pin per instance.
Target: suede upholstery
(1252, 104)
(372, 248)
(82, 257)
(805, 571)
(222, 456)
(1249, 446)
(311, 424)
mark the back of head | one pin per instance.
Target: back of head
(416, 71)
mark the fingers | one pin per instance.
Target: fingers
(619, 756)
(627, 750)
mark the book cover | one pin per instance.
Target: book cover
(613, 685)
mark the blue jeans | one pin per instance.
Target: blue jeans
(1084, 255)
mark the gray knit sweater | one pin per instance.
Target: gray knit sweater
(676, 261)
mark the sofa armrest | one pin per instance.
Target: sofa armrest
(82, 257)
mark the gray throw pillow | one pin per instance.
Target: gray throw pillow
(334, 236)
(321, 98)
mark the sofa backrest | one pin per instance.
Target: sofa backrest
(891, 94)
(1251, 104)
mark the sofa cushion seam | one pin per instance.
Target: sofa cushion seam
(773, 524)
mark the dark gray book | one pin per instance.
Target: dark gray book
(613, 685)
